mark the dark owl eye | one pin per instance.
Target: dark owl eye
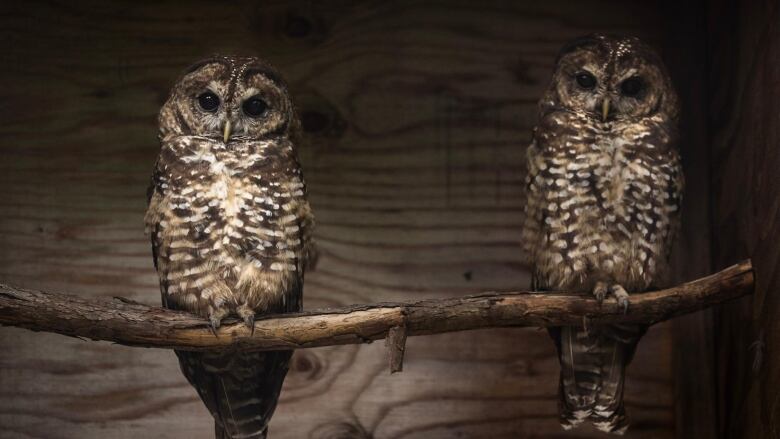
(631, 86)
(585, 80)
(208, 101)
(254, 106)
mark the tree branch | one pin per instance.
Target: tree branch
(134, 324)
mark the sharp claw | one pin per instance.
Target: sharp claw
(250, 322)
(600, 292)
(215, 322)
(622, 297)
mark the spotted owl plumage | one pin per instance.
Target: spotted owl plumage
(604, 187)
(230, 226)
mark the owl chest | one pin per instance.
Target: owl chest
(231, 206)
(604, 185)
(619, 176)
(602, 213)
(229, 210)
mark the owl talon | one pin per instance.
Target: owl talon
(248, 314)
(215, 319)
(214, 325)
(250, 322)
(621, 295)
(600, 291)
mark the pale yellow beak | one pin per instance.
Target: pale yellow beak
(227, 131)
(604, 109)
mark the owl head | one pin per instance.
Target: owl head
(611, 78)
(226, 98)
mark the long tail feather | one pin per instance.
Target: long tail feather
(239, 389)
(593, 366)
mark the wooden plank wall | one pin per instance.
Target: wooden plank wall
(417, 116)
(744, 115)
(696, 395)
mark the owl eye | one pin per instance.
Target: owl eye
(208, 101)
(585, 80)
(254, 106)
(631, 86)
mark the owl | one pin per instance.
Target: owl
(604, 187)
(230, 225)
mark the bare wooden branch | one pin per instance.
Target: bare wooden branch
(134, 324)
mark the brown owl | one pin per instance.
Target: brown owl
(604, 188)
(230, 226)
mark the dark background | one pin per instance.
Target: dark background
(417, 115)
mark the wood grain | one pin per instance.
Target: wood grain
(685, 53)
(744, 90)
(417, 116)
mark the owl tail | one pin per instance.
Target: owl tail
(239, 389)
(593, 366)
(221, 433)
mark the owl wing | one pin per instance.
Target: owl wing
(309, 253)
(532, 220)
(154, 195)
(674, 192)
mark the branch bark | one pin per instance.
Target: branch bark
(131, 323)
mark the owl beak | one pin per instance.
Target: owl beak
(604, 109)
(227, 131)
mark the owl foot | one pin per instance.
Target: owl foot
(215, 319)
(250, 321)
(621, 295)
(600, 291)
(214, 325)
(248, 315)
